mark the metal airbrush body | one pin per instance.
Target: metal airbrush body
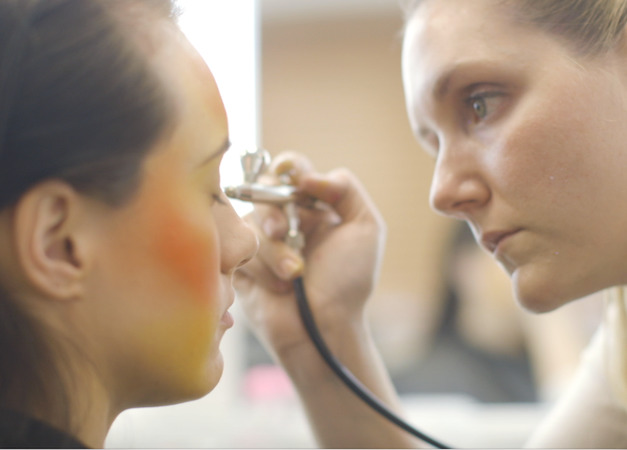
(254, 163)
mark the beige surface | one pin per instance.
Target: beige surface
(332, 90)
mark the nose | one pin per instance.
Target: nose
(238, 242)
(458, 188)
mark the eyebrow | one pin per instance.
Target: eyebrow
(221, 150)
(442, 84)
(443, 81)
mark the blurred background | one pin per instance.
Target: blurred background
(323, 77)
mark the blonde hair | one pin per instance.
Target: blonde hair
(588, 28)
(616, 346)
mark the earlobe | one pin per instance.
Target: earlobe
(47, 240)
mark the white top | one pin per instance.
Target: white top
(588, 415)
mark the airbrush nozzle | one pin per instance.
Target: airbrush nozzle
(276, 195)
(261, 193)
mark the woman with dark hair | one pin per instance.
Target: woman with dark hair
(118, 246)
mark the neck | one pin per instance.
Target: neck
(92, 414)
(86, 414)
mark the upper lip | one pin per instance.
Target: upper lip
(490, 240)
(231, 299)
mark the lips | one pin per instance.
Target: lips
(229, 295)
(492, 239)
(227, 320)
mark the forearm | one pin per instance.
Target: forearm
(338, 417)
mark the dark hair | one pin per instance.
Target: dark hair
(81, 102)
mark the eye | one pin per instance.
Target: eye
(480, 108)
(483, 105)
(219, 198)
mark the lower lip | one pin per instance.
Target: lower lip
(502, 242)
(227, 320)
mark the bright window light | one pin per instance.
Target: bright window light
(225, 34)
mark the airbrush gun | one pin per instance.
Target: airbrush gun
(254, 163)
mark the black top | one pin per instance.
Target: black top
(21, 431)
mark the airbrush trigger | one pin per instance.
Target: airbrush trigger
(254, 163)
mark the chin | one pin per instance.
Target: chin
(207, 380)
(189, 389)
(214, 373)
(537, 294)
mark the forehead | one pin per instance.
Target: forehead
(436, 21)
(444, 34)
(202, 125)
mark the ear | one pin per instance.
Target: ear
(46, 230)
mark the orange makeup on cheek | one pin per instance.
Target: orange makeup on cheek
(189, 252)
(184, 239)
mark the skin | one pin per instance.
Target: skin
(527, 137)
(140, 292)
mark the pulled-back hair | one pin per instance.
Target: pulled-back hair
(587, 26)
(78, 99)
(81, 102)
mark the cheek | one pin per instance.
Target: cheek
(564, 144)
(541, 156)
(185, 263)
(187, 246)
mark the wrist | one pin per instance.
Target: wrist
(349, 342)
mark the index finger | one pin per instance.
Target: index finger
(343, 192)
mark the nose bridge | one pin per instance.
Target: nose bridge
(458, 185)
(238, 242)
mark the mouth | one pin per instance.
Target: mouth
(227, 317)
(493, 239)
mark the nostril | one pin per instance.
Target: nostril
(244, 262)
(252, 249)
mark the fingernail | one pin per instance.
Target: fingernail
(284, 167)
(290, 268)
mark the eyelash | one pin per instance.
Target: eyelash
(218, 198)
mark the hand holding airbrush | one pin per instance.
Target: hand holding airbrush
(286, 195)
